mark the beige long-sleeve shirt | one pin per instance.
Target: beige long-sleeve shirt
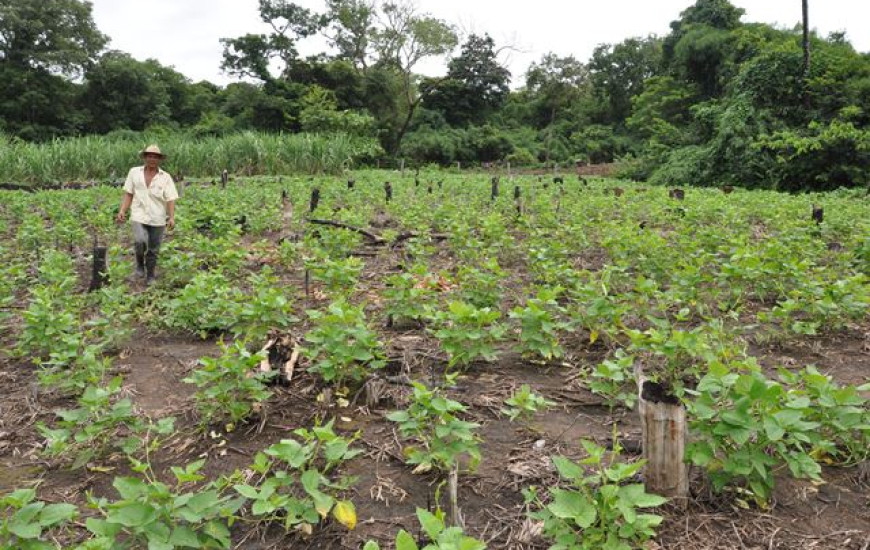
(149, 203)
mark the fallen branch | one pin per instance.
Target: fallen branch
(368, 234)
(373, 237)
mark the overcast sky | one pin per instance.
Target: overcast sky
(185, 33)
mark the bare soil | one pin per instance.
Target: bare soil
(804, 515)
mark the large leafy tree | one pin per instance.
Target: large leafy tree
(405, 38)
(385, 42)
(701, 43)
(476, 85)
(121, 92)
(253, 55)
(618, 72)
(42, 44)
(554, 85)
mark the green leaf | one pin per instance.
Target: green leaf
(184, 536)
(24, 530)
(218, 531)
(432, 526)
(130, 488)
(246, 491)
(567, 469)
(134, 514)
(636, 494)
(56, 513)
(404, 541)
(574, 506)
(102, 528)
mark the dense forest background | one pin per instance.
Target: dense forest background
(716, 101)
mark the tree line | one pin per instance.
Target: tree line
(716, 101)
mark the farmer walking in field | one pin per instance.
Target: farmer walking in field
(152, 194)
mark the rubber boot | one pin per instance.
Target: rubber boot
(139, 249)
(150, 267)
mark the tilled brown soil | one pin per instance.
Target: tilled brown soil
(804, 515)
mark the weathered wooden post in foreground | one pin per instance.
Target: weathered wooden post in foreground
(663, 423)
(388, 191)
(225, 177)
(494, 192)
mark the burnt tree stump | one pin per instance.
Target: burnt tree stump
(315, 199)
(99, 275)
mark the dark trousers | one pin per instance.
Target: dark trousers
(146, 243)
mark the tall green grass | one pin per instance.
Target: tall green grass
(104, 158)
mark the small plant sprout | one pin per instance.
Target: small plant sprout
(524, 403)
(597, 509)
(440, 536)
(341, 345)
(468, 333)
(440, 437)
(539, 325)
(230, 387)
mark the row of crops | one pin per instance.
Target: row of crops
(678, 290)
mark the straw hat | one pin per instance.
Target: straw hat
(152, 150)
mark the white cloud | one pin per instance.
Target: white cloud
(185, 33)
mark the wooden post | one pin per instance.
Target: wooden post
(307, 283)
(453, 492)
(518, 201)
(225, 177)
(350, 183)
(494, 191)
(663, 423)
(818, 214)
(99, 276)
(388, 191)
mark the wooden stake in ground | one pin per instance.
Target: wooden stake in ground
(494, 192)
(388, 191)
(99, 276)
(225, 177)
(315, 199)
(453, 493)
(818, 214)
(663, 422)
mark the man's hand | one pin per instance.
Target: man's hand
(121, 217)
(170, 224)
